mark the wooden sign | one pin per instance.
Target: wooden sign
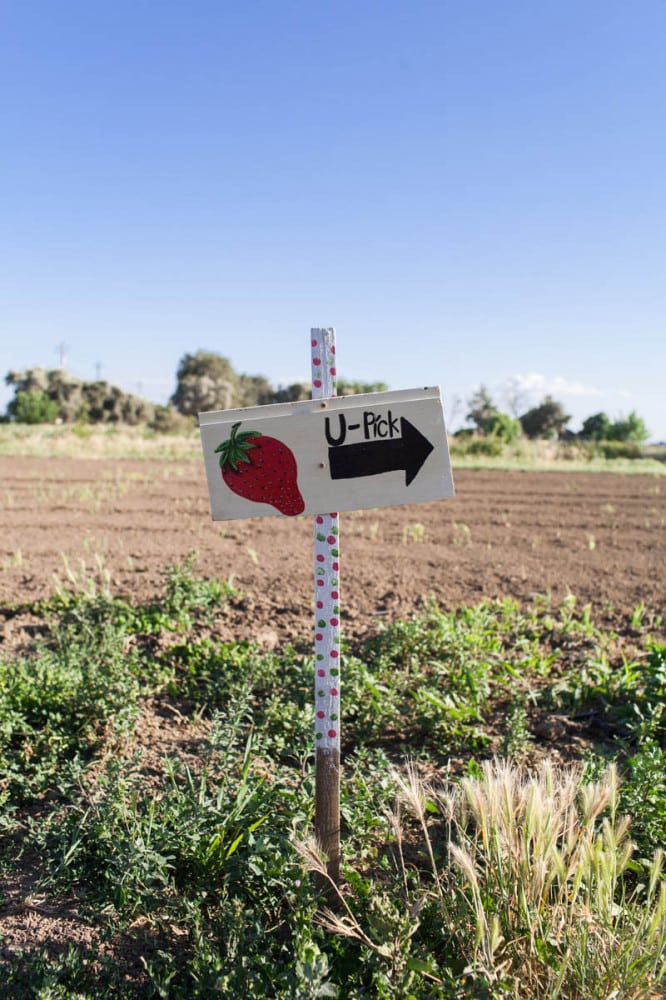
(340, 453)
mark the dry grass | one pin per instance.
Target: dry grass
(98, 441)
(535, 888)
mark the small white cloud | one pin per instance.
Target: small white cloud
(553, 385)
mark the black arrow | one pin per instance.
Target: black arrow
(370, 458)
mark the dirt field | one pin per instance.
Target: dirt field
(519, 534)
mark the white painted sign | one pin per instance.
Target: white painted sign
(342, 453)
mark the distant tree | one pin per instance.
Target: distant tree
(547, 420)
(76, 400)
(489, 421)
(482, 410)
(254, 390)
(205, 381)
(291, 393)
(595, 427)
(515, 395)
(631, 429)
(32, 407)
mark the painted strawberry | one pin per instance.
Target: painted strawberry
(262, 469)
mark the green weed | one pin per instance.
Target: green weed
(503, 882)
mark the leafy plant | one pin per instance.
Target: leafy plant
(33, 407)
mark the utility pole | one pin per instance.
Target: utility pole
(98, 371)
(61, 351)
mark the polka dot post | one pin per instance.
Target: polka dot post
(327, 572)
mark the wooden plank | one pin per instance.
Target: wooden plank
(349, 452)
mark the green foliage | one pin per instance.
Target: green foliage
(643, 795)
(465, 445)
(60, 704)
(504, 428)
(33, 407)
(188, 851)
(629, 429)
(482, 410)
(595, 427)
(619, 449)
(72, 400)
(547, 420)
(627, 696)
(494, 427)
(349, 387)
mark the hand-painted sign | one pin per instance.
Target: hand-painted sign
(339, 453)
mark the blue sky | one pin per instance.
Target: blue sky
(469, 192)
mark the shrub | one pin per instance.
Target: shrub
(546, 420)
(33, 407)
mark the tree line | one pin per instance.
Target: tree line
(547, 420)
(208, 381)
(204, 381)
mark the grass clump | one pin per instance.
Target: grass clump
(518, 886)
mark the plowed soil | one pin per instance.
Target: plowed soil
(505, 534)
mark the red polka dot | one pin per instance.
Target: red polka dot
(333, 371)
(334, 514)
(316, 361)
(332, 733)
(336, 566)
(335, 621)
(334, 691)
(320, 519)
(333, 350)
(321, 673)
(320, 583)
(334, 654)
(320, 715)
(319, 637)
(334, 595)
(320, 604)
(314, 343)
(331, 539)
(316, 383)
(320, 558)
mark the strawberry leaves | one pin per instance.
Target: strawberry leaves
(236, 448)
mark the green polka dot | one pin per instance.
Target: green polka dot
(334, 716)
(317, 736)
(320, 656)
(334, 671)
(320, 693)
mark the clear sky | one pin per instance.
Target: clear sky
(470, 192)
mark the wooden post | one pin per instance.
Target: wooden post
(327, 637)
